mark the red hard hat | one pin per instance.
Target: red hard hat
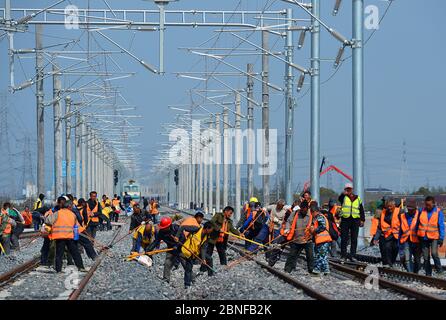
(165, 222)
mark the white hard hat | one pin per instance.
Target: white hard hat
(348, 185)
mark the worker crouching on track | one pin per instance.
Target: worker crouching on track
(63, 224)
(430, 230)
(6, 225)
(388, 232)
(322, 240)
(409, 244)
(221, 224)
(166, 232)
(143, 236)
(297, 232)
(193, 247)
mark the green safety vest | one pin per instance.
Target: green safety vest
(350, 208)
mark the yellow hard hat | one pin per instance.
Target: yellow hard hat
(253, 199)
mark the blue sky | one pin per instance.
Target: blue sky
(404, 87)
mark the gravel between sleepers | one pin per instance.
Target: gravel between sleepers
(29, 249)
(44, 283)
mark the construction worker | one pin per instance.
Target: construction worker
(143, 236)
(221, 222)
(17, 230)
(38, 212)
(333, 230)
(127, 199)
(27, 217)
(84, 238)
(334, 220)
(388, 232)
(247, 211)
(47, 238)
(297, 233)
(166, 231)
(352, 218)
(116, 206)
(63, 223)
(277, 214)
(154, 211)
(409, 244)
(94, 210)
(196, 221)
(6, 225)
(193, 248)
(253, 221)
(136, 218)
(322, 241)
(375, 223)
(430, 230)
(105, 216)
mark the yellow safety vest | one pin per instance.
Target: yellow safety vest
(193, 244)
(145, 240)
(350, 208)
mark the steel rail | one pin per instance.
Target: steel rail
(24, 268)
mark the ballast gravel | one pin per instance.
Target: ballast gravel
(29, 248)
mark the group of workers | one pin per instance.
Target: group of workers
(409, 232)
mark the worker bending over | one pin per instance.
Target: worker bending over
(193, 247)
(222, 224)
(143, 236)
(84, 238)
(322, 241)
(6, 225)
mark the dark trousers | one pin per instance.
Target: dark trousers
(273, 255)
(45, 252)
(349, 233)
(88, 246)
(187, 264)
(410, 255)
(430, 248)
(5, 240)
(295, 250)
(72, 249)
(390, 250)
(221, 250)
(171, 261)
(155, 218)
(91, 230)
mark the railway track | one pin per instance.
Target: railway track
(22, 271)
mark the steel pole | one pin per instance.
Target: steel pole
(40, 112)
(217, 162)
(358, 102)
(289, 107)
(211, 164)
(205, 176)
(315, 102)
(226, 156)
(57, 86)
(250, 151)
(68, 180)
(83, 190)
(10, 35)
(89, 161)
(238, 157)
(79, 154)
(265, 115)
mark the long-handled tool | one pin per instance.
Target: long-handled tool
(136, 255)
(197, 257)
(3, 249)
(242, 238)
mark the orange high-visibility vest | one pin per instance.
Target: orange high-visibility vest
(394, 227)
(190, 221)
(323, 236)
(374, 227)
(5, 215)
(115, 203)
(293, 225)
(155, 208)
(224, 228)
(408, 232)
(28, 217)
(63, 227)
(429, 227)
(90, 212)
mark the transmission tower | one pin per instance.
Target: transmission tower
(404, 172)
